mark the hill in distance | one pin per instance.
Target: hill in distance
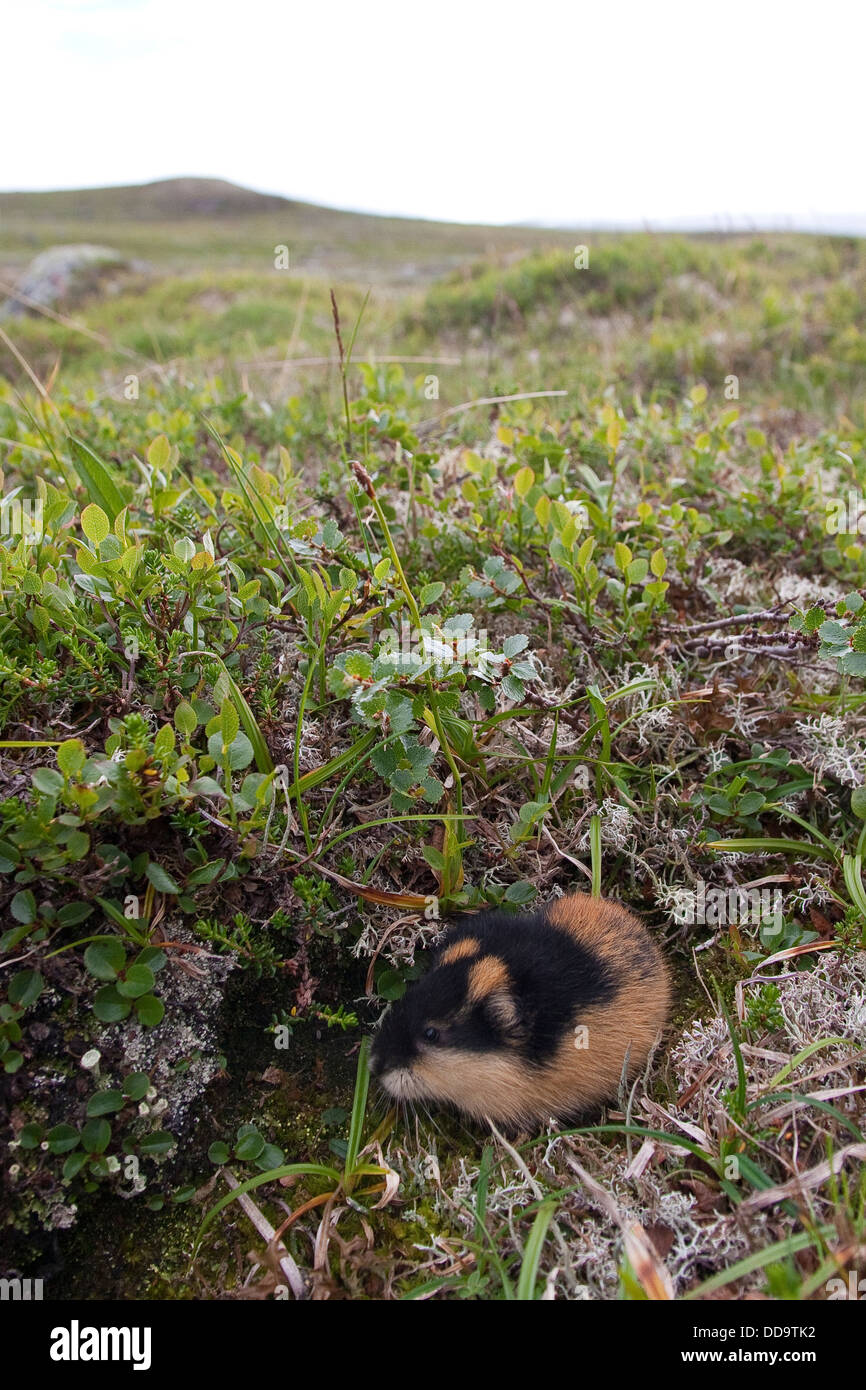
(149, 202)
(190, 223)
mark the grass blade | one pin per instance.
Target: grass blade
(758, 1261)
(287, 1170)
(96, 479)
(770, 846)
(359, 1106)
(532, 1250)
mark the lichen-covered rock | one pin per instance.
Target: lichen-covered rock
(64, 275)
(72, 1058)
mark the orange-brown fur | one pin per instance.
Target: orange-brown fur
(467, 947)
(486, 977)
(503, 1086)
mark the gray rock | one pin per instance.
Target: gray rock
(63, 275)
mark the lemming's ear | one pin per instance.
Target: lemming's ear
(505, 1014)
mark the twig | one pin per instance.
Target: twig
(293, 1276)
(427, 425)
(766, 616)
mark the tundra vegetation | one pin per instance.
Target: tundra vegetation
(308, 640)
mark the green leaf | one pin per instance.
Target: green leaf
(23, 907)
(9, 857)
(229, 724)
(429, 594)
(111, 910)
(206, 786)
(334, 1115)
(104, 1103)
(240, 753)
(73, 913)
(71, 757)
(858, 802)
(206, 874)
(150, 1010)
(520, 893)
(853, 663)
(524, 482)
(185, 719)
(136, 1085)
(48, 781)
(249, 1147)
(584, 554)
(105, 957)
(138, 980)
(358, 665)
(96, 1136)
(219, 1152)
(264, 761)
(62, 1138)
(622, 556)
(359, 1105)
(158, 1142)
(512, 645)
(108, 1005)
(833, 634)
(25, 988)
(95, 524)
(512, 688)
(163, 744)
(390, 985)
(161, 880)
(77, 845)
(153, 957)
(814, 618)
(159, 452)
(74, 1164)
(852, 872)
(636, 571)
(270, 1157)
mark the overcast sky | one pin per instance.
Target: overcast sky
(550, 112)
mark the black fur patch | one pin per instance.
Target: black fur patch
(553, 977)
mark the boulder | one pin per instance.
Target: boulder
(63, 276)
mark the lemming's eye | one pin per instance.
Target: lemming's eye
(431, 1034)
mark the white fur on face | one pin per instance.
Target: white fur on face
(401, 1084)
(479, 1084)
